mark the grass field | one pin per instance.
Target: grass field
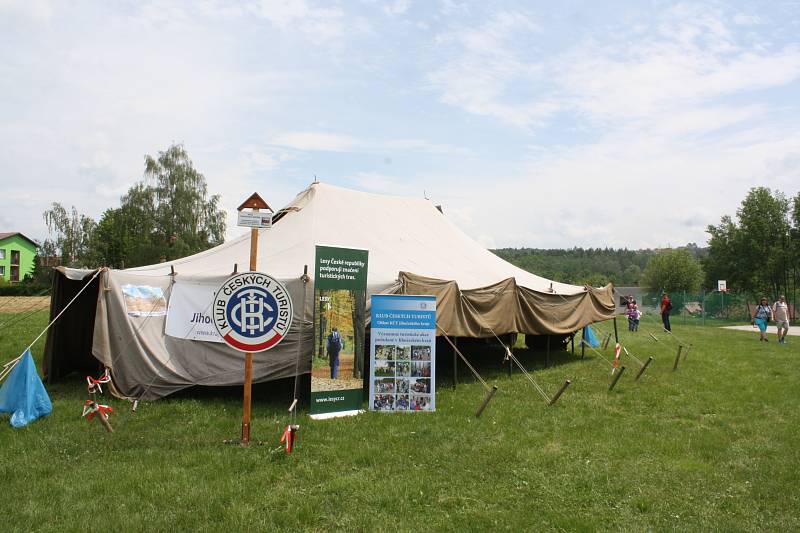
(713, 446)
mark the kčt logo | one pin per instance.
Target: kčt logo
(252, 311)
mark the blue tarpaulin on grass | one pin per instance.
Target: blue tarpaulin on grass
(588, 336)
(23, 394)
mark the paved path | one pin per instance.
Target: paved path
(793, 330)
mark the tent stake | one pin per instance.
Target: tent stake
(560, 392)
(677, 358)
(616, 335)
(489, 395)
(583, 344)
(644, 367)
(616, 378)
(654, 337)
(686, 353)
(572, 341)
(606, 340)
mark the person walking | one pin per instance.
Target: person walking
(780, 314)
(666, 307)
(633, 314)
(761, 318)
(334, 347)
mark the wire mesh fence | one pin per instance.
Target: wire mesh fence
(703, 308)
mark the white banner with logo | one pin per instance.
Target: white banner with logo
(189, 314)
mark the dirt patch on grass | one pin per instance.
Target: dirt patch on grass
(23, 304)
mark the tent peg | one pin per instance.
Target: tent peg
(555, 398)
(677, 358)
(606, 340)
(654, 337)
(489, 395)
(616, 378)
(644, 367)
(304, 278)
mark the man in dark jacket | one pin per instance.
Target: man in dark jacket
(334, 347)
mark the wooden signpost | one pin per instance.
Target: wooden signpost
(252, 311)
(255, 203)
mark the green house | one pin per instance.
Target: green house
(17, 255)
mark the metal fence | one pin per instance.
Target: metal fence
(701, 308)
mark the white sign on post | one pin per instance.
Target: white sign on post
(722, 285)
(255, 219)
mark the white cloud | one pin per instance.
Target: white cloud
(337, 142)
(309, 140)
(687, 57)
(484, 67)
(396, 7)
(38, 10)
(319, 25)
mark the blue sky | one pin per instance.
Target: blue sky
(625, 124)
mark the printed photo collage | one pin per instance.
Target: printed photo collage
(402, 378)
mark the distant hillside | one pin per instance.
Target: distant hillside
(591, 266)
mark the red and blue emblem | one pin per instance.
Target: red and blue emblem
(252, 311)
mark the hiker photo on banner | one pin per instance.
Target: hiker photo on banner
(335, 345)
(337, 363)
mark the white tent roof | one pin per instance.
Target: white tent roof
(401, 234)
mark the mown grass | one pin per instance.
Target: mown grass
(713, 446)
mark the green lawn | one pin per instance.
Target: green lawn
(713, 446)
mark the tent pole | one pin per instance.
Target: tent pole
(616, 335)
(583, 345)
(547, 354)
(455, 363)
(572, 341)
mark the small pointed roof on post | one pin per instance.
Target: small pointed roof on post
(254, 202)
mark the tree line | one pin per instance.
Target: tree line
(165, 216)
(757, 252)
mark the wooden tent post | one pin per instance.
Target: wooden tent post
(455, 363)
(583, 343)
(547, 354)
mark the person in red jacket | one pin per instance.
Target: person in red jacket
(666, 307)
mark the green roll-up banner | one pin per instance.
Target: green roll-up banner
(340, 292)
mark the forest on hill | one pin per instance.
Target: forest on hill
(587, 266)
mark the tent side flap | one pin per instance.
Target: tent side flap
(505, 307)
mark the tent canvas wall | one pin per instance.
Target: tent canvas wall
(413, 249)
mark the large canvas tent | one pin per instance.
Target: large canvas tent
(413, 249)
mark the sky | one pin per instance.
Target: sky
(552, 125)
